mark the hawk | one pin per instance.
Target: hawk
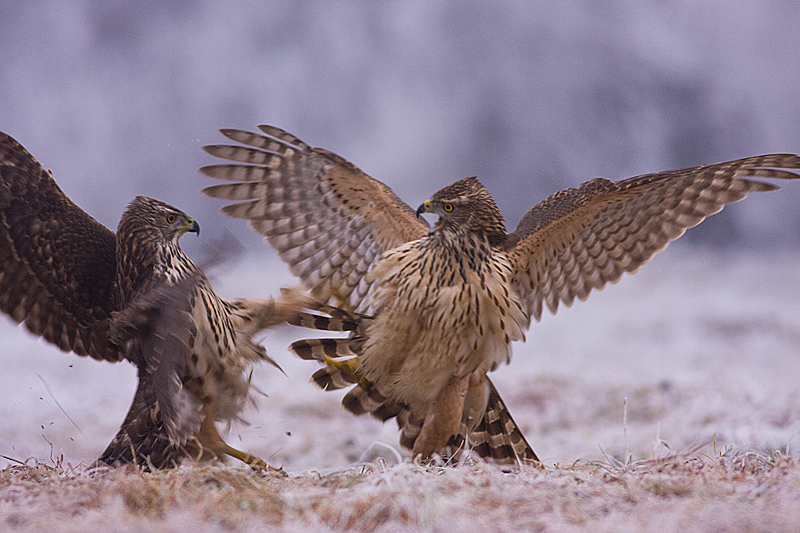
(443, 304)
(136, 296)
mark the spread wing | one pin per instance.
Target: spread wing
(57, 264)
(326, 218)
(581, 239)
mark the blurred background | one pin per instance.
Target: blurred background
(117, 99)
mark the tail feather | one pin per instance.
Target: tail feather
(335, 322)
(332, 378)
(365, 398)
(341, 363)
(497, 437)
(322, 349)
(336, 319)
(340, 357)
(142, 439)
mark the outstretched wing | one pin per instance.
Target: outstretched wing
(326, 218)
(581, 239)
(57, 264)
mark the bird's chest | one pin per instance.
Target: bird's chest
(212, 366)
(441, 314)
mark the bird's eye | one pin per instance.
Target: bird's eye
(171, 219)
(448, 207)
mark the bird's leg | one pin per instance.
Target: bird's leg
(209, 439)
(443, 419)
(254, 462)
(476, 399)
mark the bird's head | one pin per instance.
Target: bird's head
(466, 205)
(162, 221)
(147, 244)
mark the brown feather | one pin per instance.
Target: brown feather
(581, 239)
(136, 296)
(497, 437)
(444, 307)
(57, 264)
(327, 219)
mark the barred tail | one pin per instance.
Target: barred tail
(365, 398)
(336, 322)
(340, 355)
(322, 349)
(341, 370)
(497, 438)
(142, 439)
(341, 364)
(315, 315)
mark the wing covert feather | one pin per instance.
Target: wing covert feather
(325, 217)
(583, 238)
(57, 263)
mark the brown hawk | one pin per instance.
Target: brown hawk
(444, 304)
(134, 295)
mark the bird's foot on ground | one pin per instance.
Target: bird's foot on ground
(256, 463)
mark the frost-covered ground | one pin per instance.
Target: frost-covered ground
(703, 347)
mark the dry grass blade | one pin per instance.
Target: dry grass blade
(738, 489)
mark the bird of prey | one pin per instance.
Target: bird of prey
(136, 296)
(443, 304)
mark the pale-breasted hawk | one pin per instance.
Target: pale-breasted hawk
(445, 303)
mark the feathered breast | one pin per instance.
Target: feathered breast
(443, 309)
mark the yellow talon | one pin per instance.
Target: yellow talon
(256, 463)
(349, 365)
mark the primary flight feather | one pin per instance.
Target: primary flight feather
(131, 295)
(437, 308)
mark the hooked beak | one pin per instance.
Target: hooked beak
(193, 227)
(424, 208)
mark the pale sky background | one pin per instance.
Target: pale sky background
(118, 97)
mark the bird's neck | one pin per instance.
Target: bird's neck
(141, 257)
(474, 250)
(175, 265)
